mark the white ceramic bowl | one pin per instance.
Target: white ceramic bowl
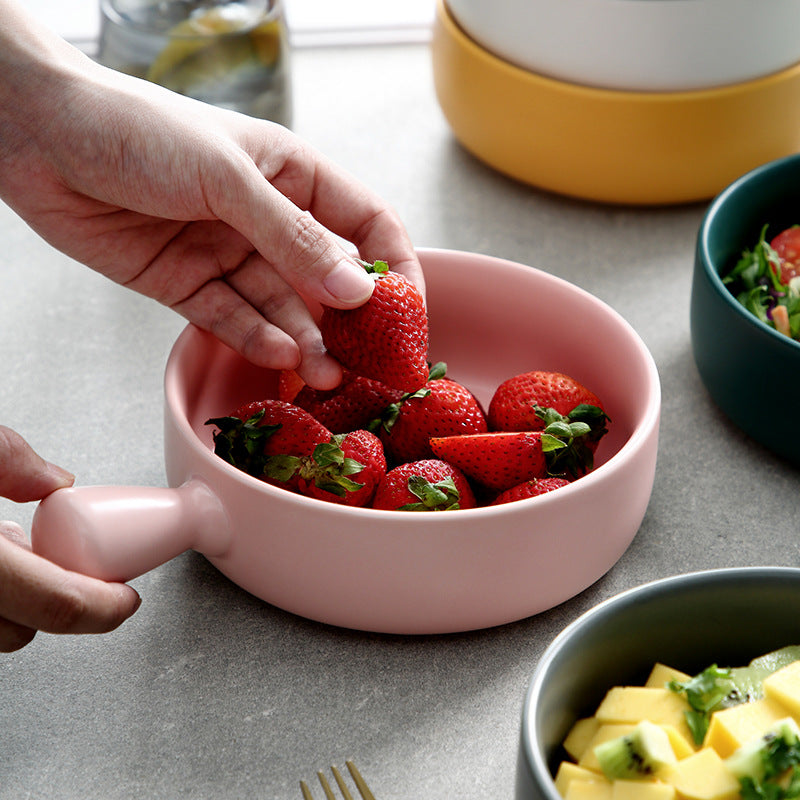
(392, 571)
(645, 45)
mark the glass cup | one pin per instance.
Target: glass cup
(230, 53)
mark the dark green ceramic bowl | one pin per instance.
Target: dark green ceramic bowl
(747, 612)
(751, 371)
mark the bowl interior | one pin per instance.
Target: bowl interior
(724, 616)
(489, 320)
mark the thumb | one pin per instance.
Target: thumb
(24, 475)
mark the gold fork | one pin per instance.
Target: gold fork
(363, 789)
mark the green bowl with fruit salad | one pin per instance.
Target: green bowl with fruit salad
(723, 617)
(745, 304)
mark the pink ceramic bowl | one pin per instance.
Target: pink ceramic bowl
(390, 571)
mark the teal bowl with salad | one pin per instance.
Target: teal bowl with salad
(745, 304)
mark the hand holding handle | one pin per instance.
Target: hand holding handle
(117, 533)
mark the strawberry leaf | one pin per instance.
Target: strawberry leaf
(241, 442)
(440, 496)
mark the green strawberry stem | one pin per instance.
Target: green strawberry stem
(375, 268)
(327, 468)
(440, 496)
(566, 440)
(387, 418)
(241, 442)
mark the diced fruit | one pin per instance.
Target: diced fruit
(661, 675)
(639, 790)
(783, 687)
(732, 727)
(579, 736)
(634, 703)
(605, 733)
(589, 790)
(642, 753)
(702, 776)
(568, 772)
(750, 760)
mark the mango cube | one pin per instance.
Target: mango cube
(702, 776)
(580, 735)
(642, 790)
(588, 790)
(731, 727)
(661, 675)
(568, 772)
(783, 687)
(604, 734)
(632, 704)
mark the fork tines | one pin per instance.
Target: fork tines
(361, 784)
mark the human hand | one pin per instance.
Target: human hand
(229, 220)
(35, 594)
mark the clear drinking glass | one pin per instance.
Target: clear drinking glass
(231, 53)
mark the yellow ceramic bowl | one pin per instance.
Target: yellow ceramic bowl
(642, 148)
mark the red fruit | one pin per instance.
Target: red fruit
(442, 407)
(532, 488)
(345, 470)
(787, 246)
(353, 404)
(427, 485)
(496, 460)
(385, 339)
(513, 406)
(500, 460)
(257, 431)
(289, 384)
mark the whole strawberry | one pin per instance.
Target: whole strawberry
(427, 485)
(257, 431)
(443, 407)
(385, 339)
(531, 488)
(500, 460)
(513, 406)
(345, 470)
(353, 404)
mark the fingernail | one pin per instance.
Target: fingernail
(348, 283)
(60, 474)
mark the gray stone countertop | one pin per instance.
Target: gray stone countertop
(208, 692)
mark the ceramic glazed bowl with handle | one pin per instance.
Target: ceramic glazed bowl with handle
(751, 371)
(751, 611)
(391, 571)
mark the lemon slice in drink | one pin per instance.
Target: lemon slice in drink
(205, 50)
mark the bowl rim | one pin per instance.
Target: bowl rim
(727, 195)
(638, 438)
(533, 757)
(599, 93)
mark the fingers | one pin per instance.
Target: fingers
(24, 475)
(292, 204)
(38, 595)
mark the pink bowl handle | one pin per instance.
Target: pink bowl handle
(116, 533)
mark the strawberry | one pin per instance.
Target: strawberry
(353, 404)
(344, 470)
(531, 488)
(289, 384)
(443, 407)
(514, 404)
(512, 408)
(265, 428)
(385, 339)
(500, 460)
(427, 485)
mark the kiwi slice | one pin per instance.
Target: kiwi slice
(747, 681)
(751, 759)
(636, 755)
